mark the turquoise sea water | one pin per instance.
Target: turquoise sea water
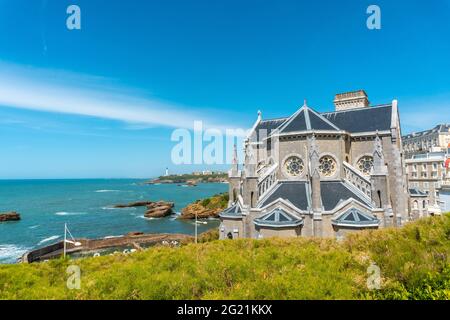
(85, 205)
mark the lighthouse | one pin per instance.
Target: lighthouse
(167, 172)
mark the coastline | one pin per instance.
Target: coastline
(45, 205)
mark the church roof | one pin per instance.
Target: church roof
(362, 119)
(297, 192)
(307, 119)
(293, 191)
(234, 211)
(356, 218)
(269, 126)
(367, 119)
(278, 218)
(334, 192)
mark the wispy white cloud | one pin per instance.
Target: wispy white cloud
(27, 87)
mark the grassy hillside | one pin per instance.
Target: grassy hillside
(414, 264)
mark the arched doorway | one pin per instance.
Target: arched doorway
(230, 235)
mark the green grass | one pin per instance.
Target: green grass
(414, 263)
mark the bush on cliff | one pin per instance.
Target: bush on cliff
(414, 263)
(206, 208)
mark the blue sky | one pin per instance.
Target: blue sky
(103, 101)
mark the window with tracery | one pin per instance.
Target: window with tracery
(294, 166)
(365, 164)
(327, 166)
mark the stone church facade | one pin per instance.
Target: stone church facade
(319, 174)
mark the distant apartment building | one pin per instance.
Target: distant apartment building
(433, 140)
(205, 173)
(428, 174)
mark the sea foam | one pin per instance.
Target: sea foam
(63, 213)
(48, 239)
(10, 253)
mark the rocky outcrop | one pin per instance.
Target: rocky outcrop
(206, 208)
(133, 204)
(192, 183)
(9, 216)
(202, 212)
(159, 209)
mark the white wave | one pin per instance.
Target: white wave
(63, 213)
(146, 218)
(34, 227)
(48, 239)
(112, 208)
(106, 190)
(10, 253)
(113, 237)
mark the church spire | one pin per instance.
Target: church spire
(313, 155)
(315, 175)
(235, 162)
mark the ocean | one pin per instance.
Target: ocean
(85, 205)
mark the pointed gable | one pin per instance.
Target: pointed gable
(296, 123)
(356, 218)
(306, 119)
(278, 218)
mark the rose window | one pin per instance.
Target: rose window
(294, 166)
(327, 166)
(365, 165)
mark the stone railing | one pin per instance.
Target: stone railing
(267, 180)
(357, 179)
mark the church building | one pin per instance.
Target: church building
(316, 174)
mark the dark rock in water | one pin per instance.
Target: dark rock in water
(134, 233)
(9, 216)
(159, 209)
(133, 204)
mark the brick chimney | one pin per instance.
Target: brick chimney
(351, 100)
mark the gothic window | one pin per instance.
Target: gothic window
(365, 164)
(327, 166)
(294, 166)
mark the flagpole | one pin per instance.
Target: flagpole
(65, 239)
(196, 226)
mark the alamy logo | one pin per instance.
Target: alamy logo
(73, 21)
(74, 280)
(374, 20)
(374, 279)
